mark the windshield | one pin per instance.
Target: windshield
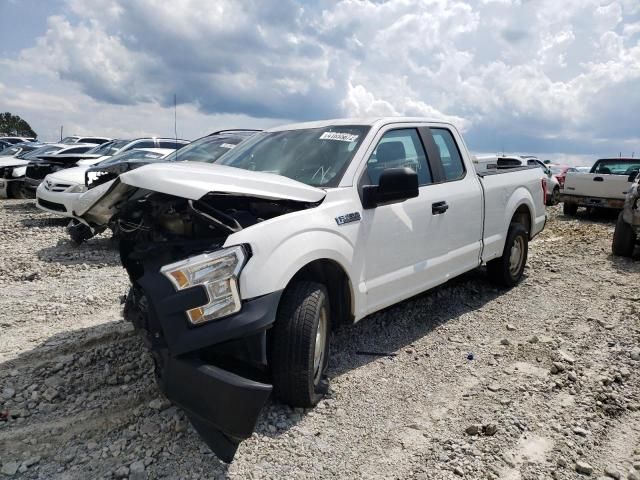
(206, 149)
(556, 170)
(108, 148)
(131, 155)
(616, 167)
(46, 150)
(315, 156)
(9, 151)
(67, 140)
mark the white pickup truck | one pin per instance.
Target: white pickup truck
(605, 186)
(242, 268)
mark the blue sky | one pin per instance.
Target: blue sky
(559, 79)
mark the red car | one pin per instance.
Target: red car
(560, 172)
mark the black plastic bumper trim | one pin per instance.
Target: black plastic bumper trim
(169, 307)
(222, 406)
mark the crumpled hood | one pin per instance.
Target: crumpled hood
(190, 180)
(193, 180)
(69, 175)
(12, 162)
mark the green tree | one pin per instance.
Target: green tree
(14, 126)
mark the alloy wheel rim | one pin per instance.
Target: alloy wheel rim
(516, 256)
(320, 346)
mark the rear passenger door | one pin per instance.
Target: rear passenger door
(461, 191)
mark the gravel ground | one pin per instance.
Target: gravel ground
(541, 381)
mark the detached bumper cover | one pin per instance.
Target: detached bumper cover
(223, 406)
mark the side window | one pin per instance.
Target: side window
(534, 163)
(449, 154)
(77, 150)
(399, 148)
(508, 163)
(144, 144)
(169, 144)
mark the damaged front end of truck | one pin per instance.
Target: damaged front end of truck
(209, 344)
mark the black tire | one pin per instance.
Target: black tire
(15, 190)
(624, 239)
(293, 344)
(569, 208)
(501, 270)
(555, 196)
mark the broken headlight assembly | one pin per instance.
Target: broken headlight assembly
(217, 272)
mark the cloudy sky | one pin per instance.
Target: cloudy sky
(557, 78)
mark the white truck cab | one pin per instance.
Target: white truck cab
(241, 269)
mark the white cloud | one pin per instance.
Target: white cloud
(541, 74)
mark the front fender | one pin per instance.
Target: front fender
(269, 271)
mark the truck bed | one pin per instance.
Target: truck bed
(499, 187)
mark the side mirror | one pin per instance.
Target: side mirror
(395, 185)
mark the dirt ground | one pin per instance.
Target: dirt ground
(474, 382)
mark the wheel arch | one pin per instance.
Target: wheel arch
(336, 280)
(524, 216)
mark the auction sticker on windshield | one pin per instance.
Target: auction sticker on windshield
(342, 137)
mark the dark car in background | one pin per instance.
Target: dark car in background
(48, 159)
(205, 149)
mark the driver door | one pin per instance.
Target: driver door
(403, 242)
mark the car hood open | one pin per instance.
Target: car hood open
(192, 180)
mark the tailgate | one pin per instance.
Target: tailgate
(597, 185)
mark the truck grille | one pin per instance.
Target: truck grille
(55, 187)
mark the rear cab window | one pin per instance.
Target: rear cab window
(450, 158)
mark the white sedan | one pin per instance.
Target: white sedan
(60, 189)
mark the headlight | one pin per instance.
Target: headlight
(19, 171)
(218, 273)
(80, 188)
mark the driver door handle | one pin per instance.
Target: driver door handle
(439, 208)
(598, 179)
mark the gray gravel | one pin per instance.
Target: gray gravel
(537, 382)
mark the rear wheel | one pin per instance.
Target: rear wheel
(555, 196)
(569, 208)
(299, 344)
(15, 190)
(624, 239)
(507, 270)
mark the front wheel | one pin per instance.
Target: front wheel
(624, 239)
(299, 344)
(507, 269)
(555, 196)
